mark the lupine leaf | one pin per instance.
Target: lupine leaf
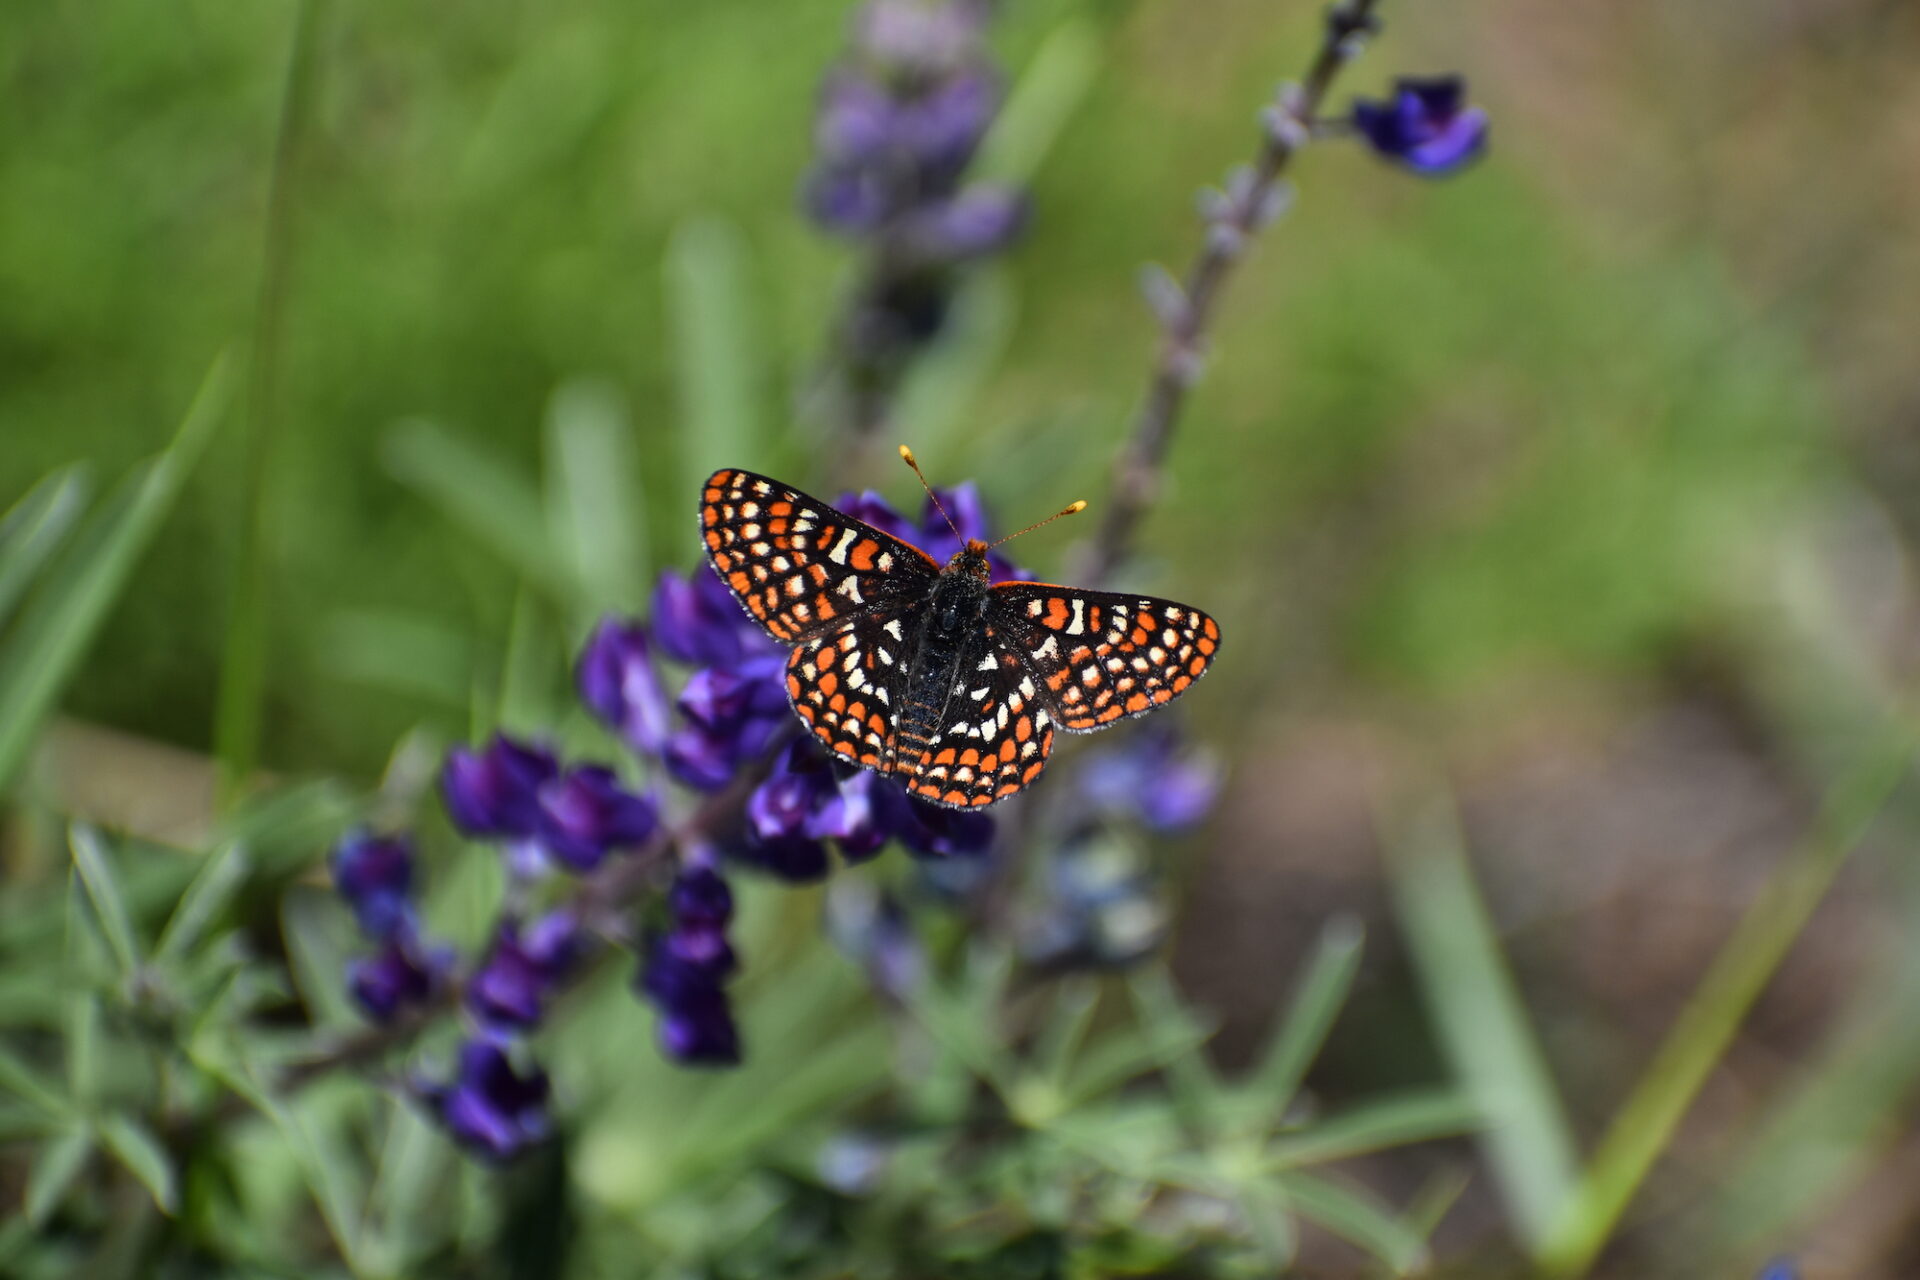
(592, 494)
(96, 873)
(1355, 1217)
(1075, 1001)
(135, 1146)
(25, 1082)
(218, 880)
(717, 373)
(1375, 1126)
(317, 937)
(55, 1167)
(486, 499)
(34, 529)
(1303, 1028)
(57, 627)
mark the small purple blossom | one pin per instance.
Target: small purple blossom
(619, 683)
(686, 970)
(1152, 778)
(1427, 127)
(979, 221)
(494, 793)
(375, 876)
(585, 813)
(489, 1107)
(523, 969)
(696, 620)
(731, 715)
(403, 974)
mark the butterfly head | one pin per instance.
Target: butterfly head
(971, 559)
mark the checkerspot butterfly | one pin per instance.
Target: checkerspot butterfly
(933, 672)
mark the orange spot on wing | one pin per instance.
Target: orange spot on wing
(1197, 665)
(955, 797)
(818, 572)
(1206, 646)
(945, 757)
(1023, 728)
(828, 683)
(1138, 702)
(970, 756)
(780, 508)
(713, 540)
(1212, 630)
(1139, 635)
(1056, 613)
(823, 608)
(740, 582)
(838, 703)
(861, 557)
(1181, 682)
(793, 686)
(1033, 771)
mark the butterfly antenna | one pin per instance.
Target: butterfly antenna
(906, 456)
(1071, 510)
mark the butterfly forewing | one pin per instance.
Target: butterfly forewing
(1101, 655)
(801, 568)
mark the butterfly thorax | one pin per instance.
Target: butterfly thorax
(948, 640)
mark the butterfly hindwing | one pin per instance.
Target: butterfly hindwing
(1101, 655)
(801, 568)
(994, 734)
(847, 686)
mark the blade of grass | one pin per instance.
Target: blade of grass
(1052, 86)
(1375, 1126)
(1477, 1011)
(96, 874)
(55, 1167)
(717, 370)
(34, 529)
(135, 1146)
(1356, 1218)
(1706, 1026)
(58, 626)
(209, 893)
(243, 663)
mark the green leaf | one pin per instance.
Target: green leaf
(57, 628)
(1484, 1029)
(96, 873)
(211, 890)
(593, 494)
(56, 1166)
(489, 501)
(1119, 1056)
(404, 653)
(717, 370)
(34, 529)
(1051, 88)
(1355, 1217)
(319, 940)
(135, 1146)
(1298, 1035)
(26, 1082)
(1375, 1126)
(1076, 999)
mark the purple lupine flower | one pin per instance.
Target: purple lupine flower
(932, 534)
(523, 969)
(697, 620)
(1427, 127)
(937, 832)
(732, 715)
(403, 974)
(781, 810)
(490, 1108)
(979, 221)
(375, 876)
(620, 685)
(1153, 779)
(686, 970)
(585, 813)
(494, 793)
(861, 815)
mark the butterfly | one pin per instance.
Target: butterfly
(934, 673)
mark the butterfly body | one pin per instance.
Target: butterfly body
(935, 673)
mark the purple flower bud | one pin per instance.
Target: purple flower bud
(523, 969)
(697, 620)
(586, 812)
(375, 876)
(732, 716)
(847, 200)
(702, 758)
(702, 1036)
(858, 122)
(1151, 778)
(700, 897)
(938, 832)
(977, 222)
(942, 126)
(620, 685)
(918, 39)
(1426, 127)
(401, 975)
(696, 1023)
(494, 793)
(489, 1107)
(861, 815)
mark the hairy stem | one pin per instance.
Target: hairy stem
(1185, 319)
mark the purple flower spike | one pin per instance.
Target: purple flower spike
(703, 1036)
(494, 793)
(1427, 127)
(977, 222)
(489, 1107)
(862, 814)
(936, 832)
(686, 968)
(699, 896)
(401, 975)
(858, 122)
(585, 813)
(524, 969)
(697, 620)
(942, 128)
(375, 876)
(620, 685)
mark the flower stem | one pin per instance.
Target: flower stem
(1290, 126)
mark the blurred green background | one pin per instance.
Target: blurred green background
(1589, 476)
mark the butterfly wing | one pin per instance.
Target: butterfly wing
(801, 568)
(1101, 655)
(847, 687)
(991, 739)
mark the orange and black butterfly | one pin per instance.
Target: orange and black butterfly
(930, 671)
